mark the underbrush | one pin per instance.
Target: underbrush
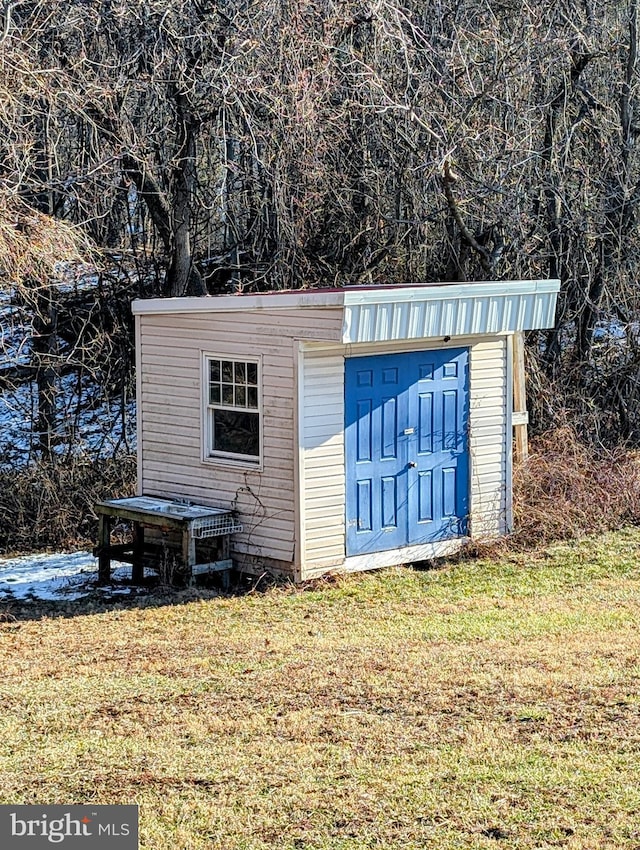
(568, 489)
(51, 505)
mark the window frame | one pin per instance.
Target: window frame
(231, 459)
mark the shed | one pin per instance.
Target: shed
(350, 429)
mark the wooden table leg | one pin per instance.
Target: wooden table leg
(224, 556)
(137, 569)
(104, 544)
(188, 551)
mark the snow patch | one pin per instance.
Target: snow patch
(57, 577)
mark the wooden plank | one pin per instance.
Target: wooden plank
(188, 550)
(161, 520)
(521, 448)
(137, 570)
(279, 322)
(406, 555)
(104, 542)
(212, 567)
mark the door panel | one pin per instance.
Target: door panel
(425, 423)
(389, 502)
(425, 496)
(364, 505)
(363, 448)
(389, 448)
(406, 448)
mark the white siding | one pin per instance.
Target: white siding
(322, 463)
(323, 493)
(488, 437)
(170, 405)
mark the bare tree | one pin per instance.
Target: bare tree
(244, 145)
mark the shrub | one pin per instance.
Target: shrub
(51, 505)
(568, 489)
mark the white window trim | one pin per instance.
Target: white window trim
(228, 459)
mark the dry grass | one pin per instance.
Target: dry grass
(52, 505)
(33, 246)
(568, 489)
(491, 701)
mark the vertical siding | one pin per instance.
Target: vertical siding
(170, 405)
(488, 437)
(323, 473)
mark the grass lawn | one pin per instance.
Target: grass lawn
(484, 704)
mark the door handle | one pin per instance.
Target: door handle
(412, 464)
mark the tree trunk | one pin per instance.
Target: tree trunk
(183, 278)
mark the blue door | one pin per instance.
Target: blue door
(406, 448)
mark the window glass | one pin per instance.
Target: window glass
(236, 432)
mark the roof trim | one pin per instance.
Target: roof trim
(238, 303)
(348, 297)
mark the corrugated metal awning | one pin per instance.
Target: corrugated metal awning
(456, 310)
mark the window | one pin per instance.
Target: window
(232, 409)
